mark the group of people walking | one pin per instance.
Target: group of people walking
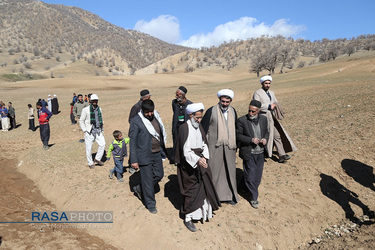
(205, 143)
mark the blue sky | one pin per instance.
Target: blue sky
(208, 22)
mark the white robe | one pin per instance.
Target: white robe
(194, 140)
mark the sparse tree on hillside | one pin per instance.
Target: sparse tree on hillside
(172, 67)
(257, 63)
(350, 49)
(22, 70)
(58, 58)
(11, 51)
(47, 68)
(301, 64)
(52, 74)
(156, 70)
(165, 70)
(4, 64)
(27, 65)
(286, 54)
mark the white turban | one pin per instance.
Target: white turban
(265, 78)
(226, 92)
(194, 107)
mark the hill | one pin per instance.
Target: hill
(49, 30)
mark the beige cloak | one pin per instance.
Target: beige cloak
(288, 144)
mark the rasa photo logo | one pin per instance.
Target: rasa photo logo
(72, 217)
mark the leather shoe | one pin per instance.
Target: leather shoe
(190, 225)
(153, 210)
(100, 163)
(287, 157)
(254, 204)
(232, 203)
(281, 159)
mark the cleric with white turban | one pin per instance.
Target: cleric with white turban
(265, 78)
(225, 92)
(194, 107)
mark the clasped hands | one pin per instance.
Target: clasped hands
(256, 141)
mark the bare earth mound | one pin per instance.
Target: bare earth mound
(330, 117)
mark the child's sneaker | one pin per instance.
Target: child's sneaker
(120, 180)
(110, 174)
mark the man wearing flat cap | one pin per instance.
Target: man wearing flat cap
(252, 137)
(193, 171)
(273, 111)
(179, 115)
(145, 95)
(219, 123)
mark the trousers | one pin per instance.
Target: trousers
(44, 133)
(151, 174)
(89, 141)
(253, 170)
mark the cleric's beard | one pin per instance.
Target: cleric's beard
(194, 123)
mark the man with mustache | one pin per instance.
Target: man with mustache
(179, 105)
(219, 124)
(252, 136)
(147, 138)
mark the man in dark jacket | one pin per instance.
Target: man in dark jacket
(12, 116)
(147, 137)
(145, 95)
(179, 115)
(252, 137)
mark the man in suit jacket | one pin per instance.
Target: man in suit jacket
(252, 136)
(147, 137)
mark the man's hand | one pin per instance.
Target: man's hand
(255, 141)
(263, 141)
(135, 165)
(202, 162)
(273, 106)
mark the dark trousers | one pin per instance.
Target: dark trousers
(151, 174)
(253, 170)
(32, 124)
(72, 118)
(44, 133)
(12, 122)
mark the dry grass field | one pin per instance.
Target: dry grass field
(329, 115)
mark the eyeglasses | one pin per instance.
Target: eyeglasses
(252, 111)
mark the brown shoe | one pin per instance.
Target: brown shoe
(100, 163)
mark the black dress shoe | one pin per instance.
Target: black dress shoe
(232, 203)
(190, 225)
(281, 159)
